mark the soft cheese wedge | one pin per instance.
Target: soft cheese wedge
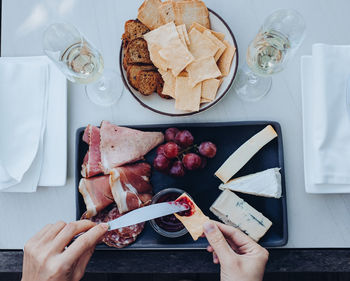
(266, 183)
(244, 153)
(234, 211)
(193, 221)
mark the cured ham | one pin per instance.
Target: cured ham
(131, 187)
(120, 145)
(96, 193)
(92, 160)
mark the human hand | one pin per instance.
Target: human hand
(47, 257)
(239, 256)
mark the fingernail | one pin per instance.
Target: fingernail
(105, 226)
(208, 227)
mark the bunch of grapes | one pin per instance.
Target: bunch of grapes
(179, 154)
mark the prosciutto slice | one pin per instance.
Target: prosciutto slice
(92, 160)
(120, 145)
(131, 187)
(96, 193)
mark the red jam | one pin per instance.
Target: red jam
(169, 223)
(187, 202)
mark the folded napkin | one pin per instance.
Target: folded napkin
(23, 110)
(330, 114)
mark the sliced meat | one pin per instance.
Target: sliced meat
(92, 160)
(118, 238)
(96, 193)
(131, 187)
(120, 145)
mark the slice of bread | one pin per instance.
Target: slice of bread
(149, 15)
(147, 81)
(137, 52)
(125, 62)
(133, 71)
(133, 29)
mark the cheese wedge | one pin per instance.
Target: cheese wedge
(266, 183)
(234, 211)
(244, 153)
(194, 222)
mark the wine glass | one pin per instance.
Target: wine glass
(81, 63)
(277, 40)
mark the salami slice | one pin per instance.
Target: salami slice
(118, 238)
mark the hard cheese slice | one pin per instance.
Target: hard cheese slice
(194, 222)
(244, 153)
(234, 211)
(266, 183)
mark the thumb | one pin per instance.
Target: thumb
(217, 240)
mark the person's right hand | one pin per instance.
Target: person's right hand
(241, 258)
(48, 255)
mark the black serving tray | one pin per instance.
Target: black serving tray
(202, 185)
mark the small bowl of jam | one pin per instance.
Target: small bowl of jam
(168, 226)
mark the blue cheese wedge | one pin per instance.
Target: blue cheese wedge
(234, 211)
(266, 183)
(244, 153)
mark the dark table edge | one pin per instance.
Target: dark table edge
(281, 260)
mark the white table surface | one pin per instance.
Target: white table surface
(313, 220)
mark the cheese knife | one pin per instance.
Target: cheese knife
(147, 213)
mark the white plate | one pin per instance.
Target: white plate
(167, 107)
(307, 103)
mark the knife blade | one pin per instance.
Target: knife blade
(147, 213)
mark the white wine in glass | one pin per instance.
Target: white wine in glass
(82, 63)
(279, 37)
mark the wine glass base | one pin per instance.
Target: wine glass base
(107, 90)
(251, 87)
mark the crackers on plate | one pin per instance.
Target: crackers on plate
(191, 58)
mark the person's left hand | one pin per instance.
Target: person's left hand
(47, 257)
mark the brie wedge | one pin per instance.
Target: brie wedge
(244, 153)
(266, 183)
(234, 211)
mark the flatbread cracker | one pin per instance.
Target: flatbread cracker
(188, 12)
(149, 15)
(155, 57)
(162, 36)
(166, 11)
(181, 34)
(193, 223)
(202, 69)
(210, 88)
(222, 47)
(177, 55)
(205, 100)
(225, 61)
(169, 83)
(201, 28)
(200, 45)
(187, 39)
(187, 98)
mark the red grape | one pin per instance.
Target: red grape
(192, 161)
(170, 134)
(203, 162)
(177, 169)
(160, 149)
(161, 163)
(207, 149)
(171, 150)
(184, 138)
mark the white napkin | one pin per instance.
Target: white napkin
(330, 115)
(23, 105)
